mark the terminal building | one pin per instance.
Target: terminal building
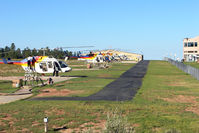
(191, 49)
(129, 56)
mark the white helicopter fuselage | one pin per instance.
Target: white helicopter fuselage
(46, 64)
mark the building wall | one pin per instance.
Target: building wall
(191, 49)
(131, 56)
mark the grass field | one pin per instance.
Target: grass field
(6, 87)
(193, 64)
(168, 99)
(89, 82)
(11, 70)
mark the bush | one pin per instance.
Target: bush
(117, 123)
(173, 130)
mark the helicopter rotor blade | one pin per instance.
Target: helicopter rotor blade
(79, 47)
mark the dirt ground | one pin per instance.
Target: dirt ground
(90, 126)
(12, 78)
(54, 92)
(192, 100)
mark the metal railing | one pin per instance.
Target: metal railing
(186, 68)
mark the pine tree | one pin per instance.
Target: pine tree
(12, 53)
(18, 53)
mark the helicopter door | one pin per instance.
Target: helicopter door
(43, 67)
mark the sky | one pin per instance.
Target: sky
(155, 28)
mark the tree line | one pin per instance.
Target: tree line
(16, 53)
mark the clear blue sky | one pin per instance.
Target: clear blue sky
(152, 27)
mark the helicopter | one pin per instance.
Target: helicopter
(92, 58)
(43, 64)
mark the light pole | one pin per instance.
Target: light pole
(45, 124)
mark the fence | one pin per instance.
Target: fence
(186, 68)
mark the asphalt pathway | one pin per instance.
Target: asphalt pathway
(122, 89)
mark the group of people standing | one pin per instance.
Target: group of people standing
(31, 63)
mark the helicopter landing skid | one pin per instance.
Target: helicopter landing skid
(32, 79)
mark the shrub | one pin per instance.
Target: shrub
(117, 123)
(173, 130)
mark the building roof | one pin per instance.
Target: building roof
(196, 39)
(117, 51)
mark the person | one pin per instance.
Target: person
(56, 69)
(91, 54)
(33, 63)
(50, 81)
(29, 62)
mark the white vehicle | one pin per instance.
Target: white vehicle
(42, 64)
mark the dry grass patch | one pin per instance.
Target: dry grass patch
(7, 117)
(68, 82)
(181, 99)
(95, 127)
(54, 92)
(35, 123)
(3, 94)
(178, 84)
(104, 75)
(10, 71)
(55, 111)
(77, 65)
(194, 107)
(12, 78)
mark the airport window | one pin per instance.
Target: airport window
(185, 44)
(190, 44)
(63, 64)
(50, 65)
(196, 44)
(43, 66)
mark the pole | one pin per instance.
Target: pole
(45, 124)
(46, 127)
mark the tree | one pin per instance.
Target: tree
(12, 47)
(47, 51)
(18, 53)
(26, 52)
(12, 53)
(7, 50)
(2, 54)
(34, 52)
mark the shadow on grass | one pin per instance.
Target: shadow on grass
(61, 128)
(79, 76)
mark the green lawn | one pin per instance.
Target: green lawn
(89, 81)
(167, 99)
(193, 64)
(11, 70)
(6, 87)
(75, 62)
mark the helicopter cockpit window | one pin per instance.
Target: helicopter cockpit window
(50, 65)
(43, 66)
(63, 64)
